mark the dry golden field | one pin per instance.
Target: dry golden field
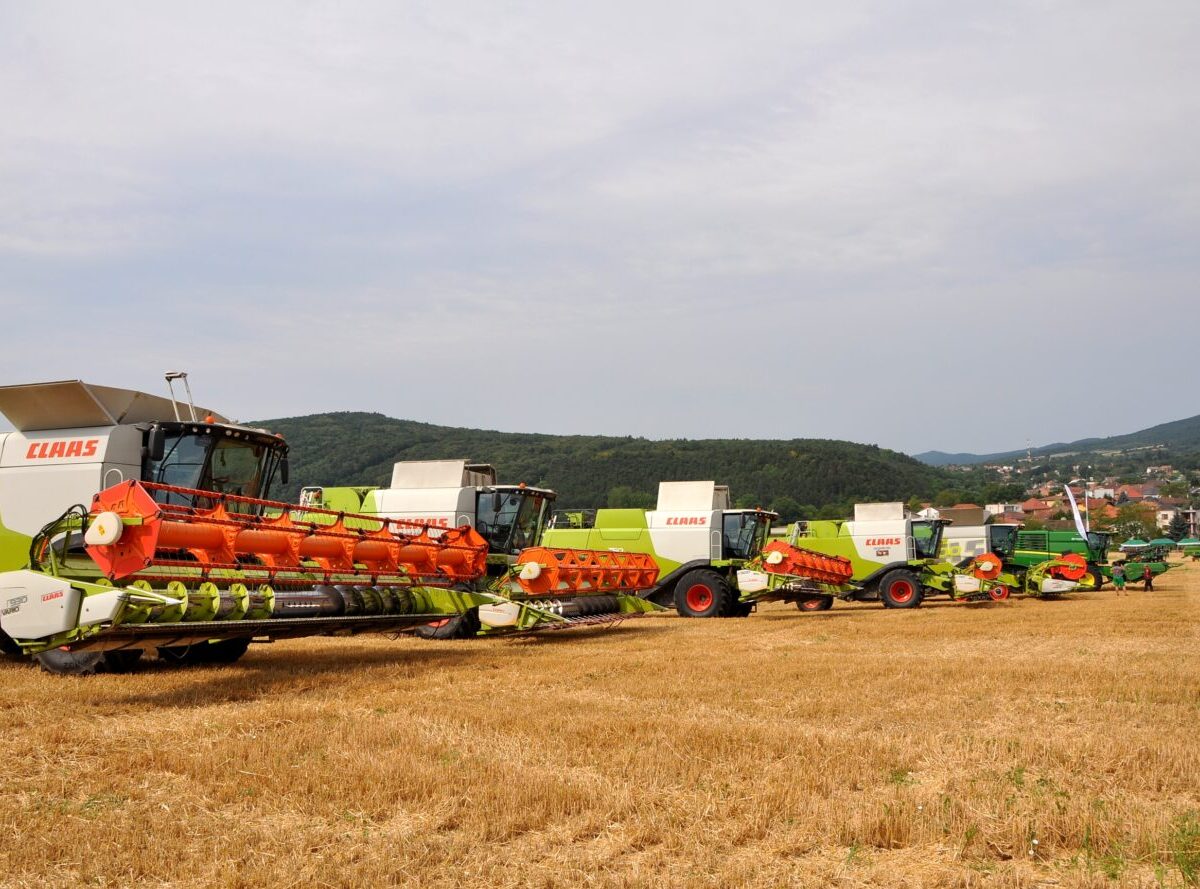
(1017, 744)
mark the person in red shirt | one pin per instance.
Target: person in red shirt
(1148, 579)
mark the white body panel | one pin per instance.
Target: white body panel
(751, 581)
(44, 473)
(447, 507)
(880, 541)
(692, 496)
(965, 583)
(879, 512)
(410, 474)
(35, 605)
(686, 535)
(963, 542)
(502, 614)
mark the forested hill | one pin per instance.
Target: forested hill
(360, 448)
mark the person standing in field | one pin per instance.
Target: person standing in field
(1148, 579)
(1118, 577)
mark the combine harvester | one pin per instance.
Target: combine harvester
(900, 560)
(180, 552)
(695, 537)
(582, 586)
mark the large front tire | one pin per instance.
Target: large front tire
(704, 593)
(85, 663)
(900, 589)
(461, 626)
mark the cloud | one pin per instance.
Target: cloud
(783, 220)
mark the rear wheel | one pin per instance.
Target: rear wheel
(900, 589)
(815, 603)
(84, 663)
(461, 626)
(704, 593)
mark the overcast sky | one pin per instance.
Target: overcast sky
(924, 225)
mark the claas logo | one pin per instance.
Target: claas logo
(74, 447)
(687, 520)
(418, 524)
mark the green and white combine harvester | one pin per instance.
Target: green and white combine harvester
(582, 585)
(696, 537)
(130, 522)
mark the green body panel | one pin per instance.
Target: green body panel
(1034, 547)
(348, 499)
(14, 549)
(832, 538)
(614, 529)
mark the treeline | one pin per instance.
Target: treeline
(801, 477)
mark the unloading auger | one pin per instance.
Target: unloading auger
(142, 569)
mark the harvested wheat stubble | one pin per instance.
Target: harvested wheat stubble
(1014, 744)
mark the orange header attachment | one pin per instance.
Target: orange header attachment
(543, 572)
(264, 538)
(799, 562)
(988, 566)
(1074, 568)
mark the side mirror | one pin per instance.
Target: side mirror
(156, 445)
(495, 501)
(283, 471)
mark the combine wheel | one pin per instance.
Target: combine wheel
(181, 655)
(900, 589)
(815, 603)
(461, 626)
(85, 663)
(227, 651)
(704, 593)
(998, 593)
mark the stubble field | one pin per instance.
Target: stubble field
(1016, 744)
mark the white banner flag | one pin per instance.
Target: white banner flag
(1075, 511)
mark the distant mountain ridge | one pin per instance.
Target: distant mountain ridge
(360, 448)
(1177, 435)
